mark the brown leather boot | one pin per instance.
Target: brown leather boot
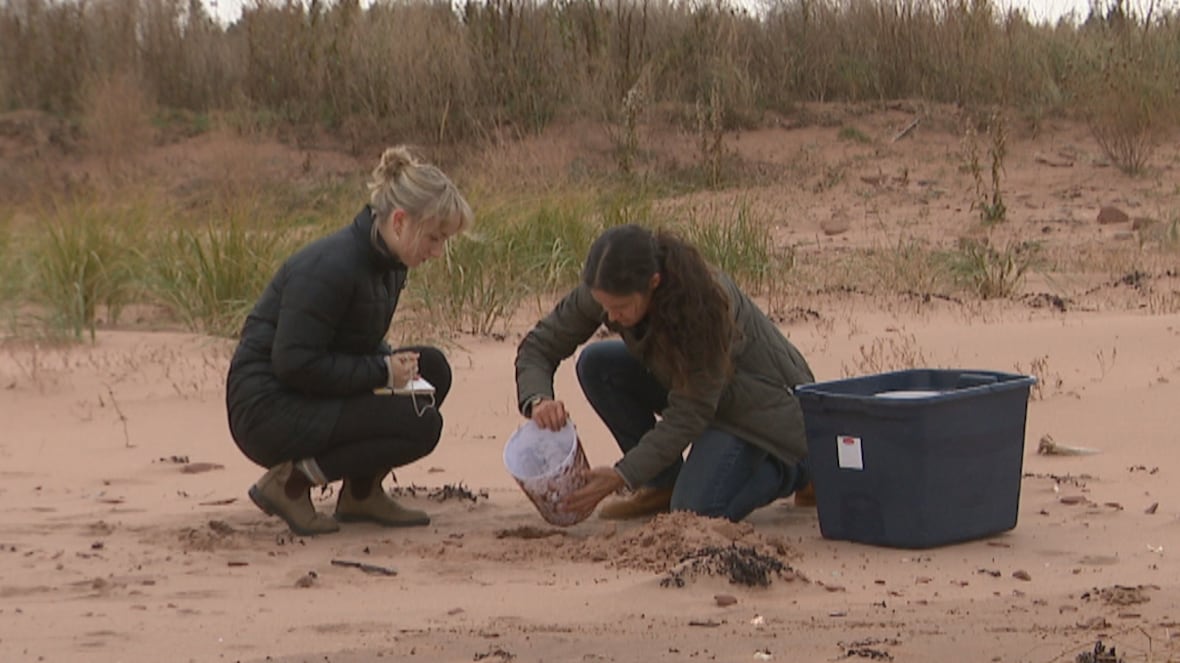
(270, 494)
(642, 502)
(376, 506)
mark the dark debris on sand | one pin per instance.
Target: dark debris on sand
(743, 565)
(870, 648)
(495, 653)
(448, 492)
(1100, 654)
(528, 532)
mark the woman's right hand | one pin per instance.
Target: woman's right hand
(403, 367)
(550, 414)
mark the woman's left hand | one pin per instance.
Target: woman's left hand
(600, 482)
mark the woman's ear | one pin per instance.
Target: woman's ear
(654, 282)
(397, 221)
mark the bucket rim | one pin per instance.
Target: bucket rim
(568, 432)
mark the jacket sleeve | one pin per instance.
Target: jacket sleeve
(688, 414)
(555, 338)
(312, 302)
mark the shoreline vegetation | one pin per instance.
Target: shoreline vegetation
(87, 231)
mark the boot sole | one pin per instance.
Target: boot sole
(349, 518)
(270, 509)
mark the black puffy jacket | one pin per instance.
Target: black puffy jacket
(315, 337)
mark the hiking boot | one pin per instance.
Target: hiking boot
(377, 507)
(642, 502)
(270, 494)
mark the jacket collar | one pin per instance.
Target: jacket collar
(363, 231)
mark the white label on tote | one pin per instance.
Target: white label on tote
(848, 452)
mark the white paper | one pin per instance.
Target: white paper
(848, 452)
(417, 386)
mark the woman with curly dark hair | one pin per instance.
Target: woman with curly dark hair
(697, 365)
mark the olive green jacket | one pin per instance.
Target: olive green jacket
(757, 403)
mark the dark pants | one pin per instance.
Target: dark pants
(375, 434)
(723, 475)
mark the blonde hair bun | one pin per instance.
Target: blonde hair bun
(401, 181)
(394, 162)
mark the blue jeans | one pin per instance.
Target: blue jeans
(723, 475)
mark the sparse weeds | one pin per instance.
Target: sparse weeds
(1127, 140)
(1164, 303)
(1129, 98)
(1047, 383)
(833, 174)
(853, 134)
(989, 196)
(889, 353)
(992, 273)
(710, 135)
(910, 265)
(1106, 361)
(1166, 234)
(30, 363)
(626, 137)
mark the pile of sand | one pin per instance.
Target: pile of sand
(658, 545)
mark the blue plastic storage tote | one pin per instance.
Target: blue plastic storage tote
(916, 458)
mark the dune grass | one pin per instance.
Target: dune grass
(210, 277)
(83, 264)
(13, 274)
(738, 243)
(119, 75)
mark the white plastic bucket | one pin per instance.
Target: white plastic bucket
(548, 466)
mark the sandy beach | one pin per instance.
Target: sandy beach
(127, 529)
(127, 535)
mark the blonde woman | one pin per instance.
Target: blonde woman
(307, 387)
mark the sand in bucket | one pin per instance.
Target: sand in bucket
(548, 465)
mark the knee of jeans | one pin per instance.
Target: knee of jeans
(587, 364)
